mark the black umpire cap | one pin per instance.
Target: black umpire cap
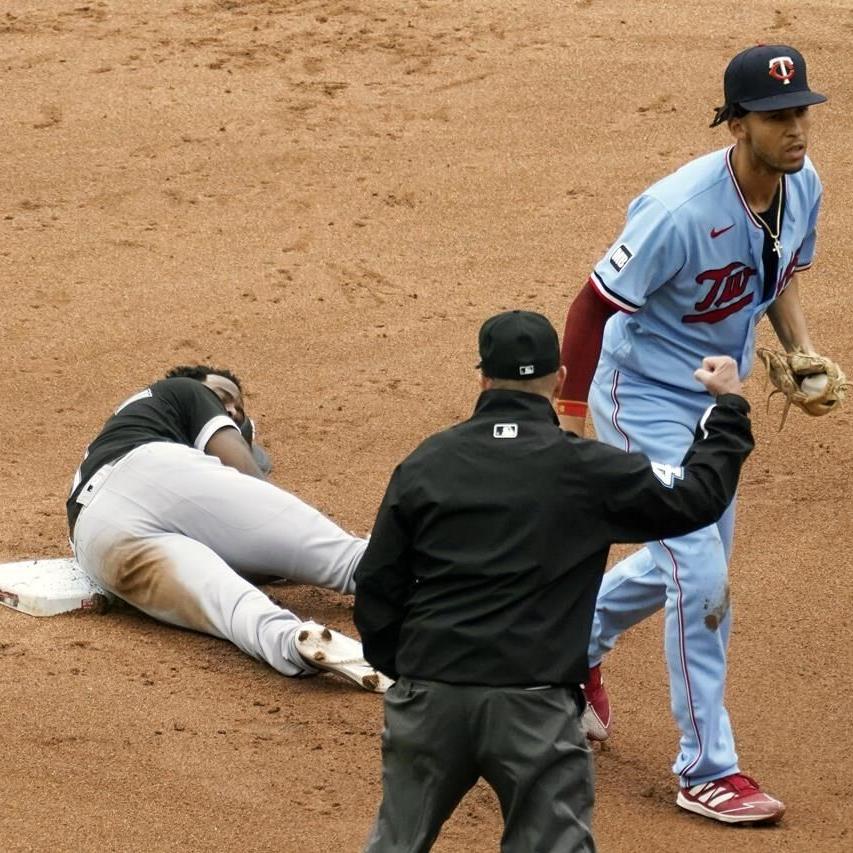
(518, 345)
(764, 78)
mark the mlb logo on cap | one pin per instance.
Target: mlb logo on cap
(518, 345)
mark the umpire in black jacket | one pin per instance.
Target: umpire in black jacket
(477, 590)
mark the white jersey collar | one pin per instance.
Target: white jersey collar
(750, 215)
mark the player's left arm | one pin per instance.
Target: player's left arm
(789, 320)
(786, 313)
(811, 381)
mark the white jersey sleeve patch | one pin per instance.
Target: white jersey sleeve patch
(620, 256)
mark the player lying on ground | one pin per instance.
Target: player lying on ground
(170, 512)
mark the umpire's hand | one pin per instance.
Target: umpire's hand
(719, 375)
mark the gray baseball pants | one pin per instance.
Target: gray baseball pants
(526, 743)
(176, 533)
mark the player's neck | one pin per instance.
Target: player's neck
(757, 181)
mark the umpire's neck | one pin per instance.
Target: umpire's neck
(545, 386)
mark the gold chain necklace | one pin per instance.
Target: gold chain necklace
(777, 246)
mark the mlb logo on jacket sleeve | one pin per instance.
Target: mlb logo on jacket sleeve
(620, 257)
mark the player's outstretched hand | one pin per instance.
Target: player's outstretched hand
(719, 375)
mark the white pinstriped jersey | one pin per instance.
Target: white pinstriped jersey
(687, 270)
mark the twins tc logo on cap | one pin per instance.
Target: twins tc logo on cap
(765, 78)
(782, 69)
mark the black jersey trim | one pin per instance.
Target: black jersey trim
(619, 301)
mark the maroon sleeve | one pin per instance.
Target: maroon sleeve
(581, 347)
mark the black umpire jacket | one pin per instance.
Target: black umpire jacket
(491, 541)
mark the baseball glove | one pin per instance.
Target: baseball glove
(787, 372)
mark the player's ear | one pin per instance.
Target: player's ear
(561, 377)
(737, 127)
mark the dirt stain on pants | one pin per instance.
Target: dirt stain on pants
(142, 575)
(718, 612)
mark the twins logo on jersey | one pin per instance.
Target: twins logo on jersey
(727, 293)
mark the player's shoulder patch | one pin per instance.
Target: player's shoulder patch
(620, 256)
(667, 473)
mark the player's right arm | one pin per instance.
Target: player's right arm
(647, 253)
(228, 444)
(205, 424)
(580, 351)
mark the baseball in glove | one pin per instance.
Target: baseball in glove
(813, 383)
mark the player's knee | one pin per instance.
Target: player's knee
(717, 608)
(131, 569)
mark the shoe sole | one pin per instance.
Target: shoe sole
(333, 652)
(698, 808)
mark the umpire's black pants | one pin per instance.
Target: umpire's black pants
(526, 743)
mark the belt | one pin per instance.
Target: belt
(574, 689)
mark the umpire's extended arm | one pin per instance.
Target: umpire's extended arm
(479, 536)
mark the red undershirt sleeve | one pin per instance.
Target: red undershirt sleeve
(581, 347)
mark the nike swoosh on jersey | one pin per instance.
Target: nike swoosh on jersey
(716, 232)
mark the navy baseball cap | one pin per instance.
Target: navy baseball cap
(518, 345)
(769, 77)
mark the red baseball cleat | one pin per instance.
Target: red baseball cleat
(596, 720)
(732, 799)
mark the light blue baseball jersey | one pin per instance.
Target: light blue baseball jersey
(687, 270)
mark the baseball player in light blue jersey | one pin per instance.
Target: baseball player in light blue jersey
(704, 255)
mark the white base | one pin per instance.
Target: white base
(48, 587)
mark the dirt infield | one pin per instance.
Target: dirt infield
(329, 196)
